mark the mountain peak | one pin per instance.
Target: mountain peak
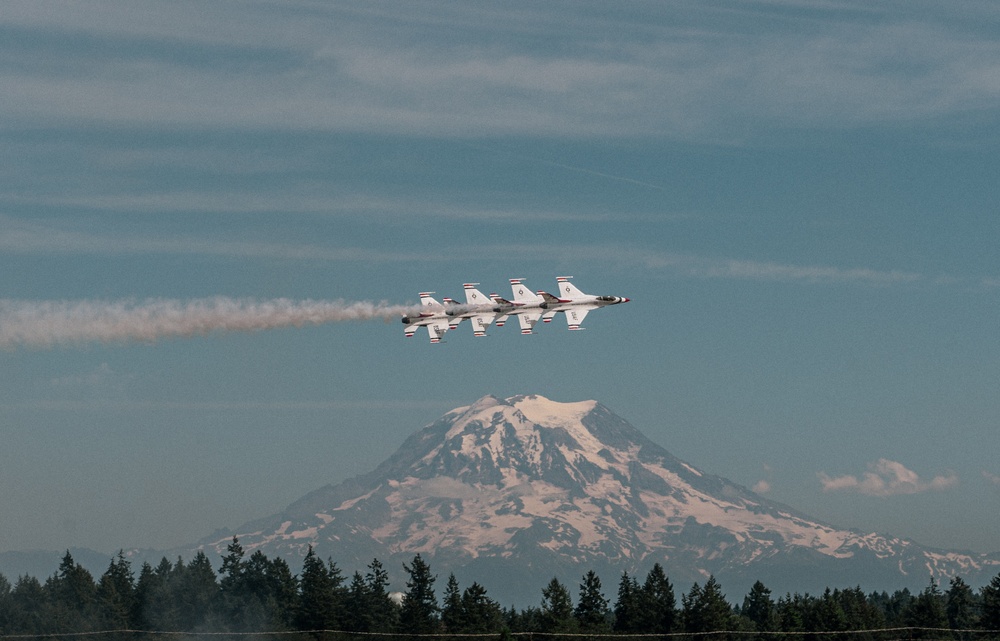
(527, 487)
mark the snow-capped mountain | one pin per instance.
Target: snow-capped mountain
(512, 492)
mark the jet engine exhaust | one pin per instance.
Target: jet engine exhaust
(45, 324)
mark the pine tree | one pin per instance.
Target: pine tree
(116, 595)
(628, 608)
(960, 607)
(927, 611)
(989, 618)
(197, 595)
(451, 608)
(592, 609)
(705, 609)
(658, 604)
(30, 607)
(318, 605)
(557, 609)
(759, 608)
(72, 594)
(384, 613)
(480, 614)
(419, 611)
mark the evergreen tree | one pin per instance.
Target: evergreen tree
(628, 607)
(419, 611)
(658, 604)
(29, 607)
(197, 594)
(72, 594)
(960, 607)
(927, 611)
(859, 613)
(451, 609)
(759, 608)
(557, 609)
(989, 618)
(232, 570)
(826, 615)
(791, 613)
(592, 609)
(318, 599)
(116, 595)
(384, 612)
(479, 613)
(358, 616)
(6, 605)
(705, 609)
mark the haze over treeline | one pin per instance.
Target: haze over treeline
(257, 594)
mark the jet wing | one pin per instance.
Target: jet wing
(480, 322)
(575, 316)
(436, 330)
(528, 322)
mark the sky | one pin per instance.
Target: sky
(799, 198)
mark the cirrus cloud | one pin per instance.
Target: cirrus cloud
(886, 478)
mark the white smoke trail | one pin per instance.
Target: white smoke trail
(50, 323)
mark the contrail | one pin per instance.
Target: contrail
(51, 323)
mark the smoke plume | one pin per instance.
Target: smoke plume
(51, 323)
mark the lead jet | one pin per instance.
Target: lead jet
(574, 303)
(480, 309)
(432, 315)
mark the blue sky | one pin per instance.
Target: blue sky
(800, 198)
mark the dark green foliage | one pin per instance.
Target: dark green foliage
(591, 610)
(705, 609)
(471, 611)
(557, 609)
(451, 610)
(321, 597)
(990, 604)
(759, 609)
(628, 607)
(961, 605)
(116, 602)
(260, 595)
(368, 607)
(927, 610)
(657, 602)
(419, 611)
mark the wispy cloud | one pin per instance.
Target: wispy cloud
(30, 237)
(427, 70)
(992, 478)
(886, 478)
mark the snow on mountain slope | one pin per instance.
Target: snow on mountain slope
(547, 486)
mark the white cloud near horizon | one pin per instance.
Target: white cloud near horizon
(886, 478)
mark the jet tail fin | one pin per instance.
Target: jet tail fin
(568, 289)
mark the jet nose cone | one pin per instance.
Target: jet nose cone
(625, 300)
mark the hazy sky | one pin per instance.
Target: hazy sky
(800, 198)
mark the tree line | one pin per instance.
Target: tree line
(261, 595)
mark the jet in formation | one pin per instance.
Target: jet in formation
(527, 306)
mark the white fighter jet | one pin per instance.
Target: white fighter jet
(480, 309)
(528, 306)
(432, 315)
(574, 303)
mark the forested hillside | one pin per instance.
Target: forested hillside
(257, 594)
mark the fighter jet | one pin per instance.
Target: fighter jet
(574, 303)
(479, 309)
(528, 306)
(432, 316)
